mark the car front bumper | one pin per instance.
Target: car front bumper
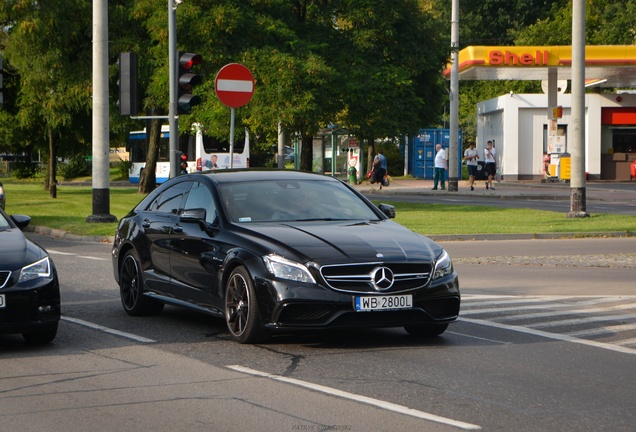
(304, 306)
(27, 308)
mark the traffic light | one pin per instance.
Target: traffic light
(128, 96)
(186, 80)
(183, 163)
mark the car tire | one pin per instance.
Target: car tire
(131, 290)
(426, 331)
(42, 335)
(241, 309)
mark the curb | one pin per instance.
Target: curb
(61, 234)
(536, 236)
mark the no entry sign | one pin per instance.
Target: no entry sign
(234, 85)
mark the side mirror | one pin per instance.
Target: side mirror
(193, 215)
(22, 221)
(387, 209)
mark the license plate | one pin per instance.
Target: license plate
(378, 303)
(2, 303)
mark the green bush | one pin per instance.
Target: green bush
(24, 169)
(76, 166)
(123, 169)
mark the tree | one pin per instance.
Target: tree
(490, 22)
(607, 22)
(46, 44)
(390, 62)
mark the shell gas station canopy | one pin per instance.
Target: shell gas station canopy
(605, 65)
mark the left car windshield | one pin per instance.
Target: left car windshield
(285, 200)
(3, 222)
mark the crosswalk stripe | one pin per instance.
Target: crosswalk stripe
(576, 321)
(603, 330)
(565, 313)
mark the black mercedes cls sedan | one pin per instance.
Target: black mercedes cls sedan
(278, 251)
(29, 287)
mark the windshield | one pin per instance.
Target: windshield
(4, 223)
(284, 200)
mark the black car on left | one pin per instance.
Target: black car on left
(29, 287)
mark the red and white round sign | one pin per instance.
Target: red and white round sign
(234, 85)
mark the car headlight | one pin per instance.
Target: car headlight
(286, 269)
(36, 270)
(443, 266)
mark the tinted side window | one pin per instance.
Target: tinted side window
(201, 197)
(170, 200)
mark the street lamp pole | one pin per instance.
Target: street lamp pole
(173, 120)
(453, 175)
(577, 151)
(101, 145)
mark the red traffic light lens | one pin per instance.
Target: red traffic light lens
(184, 157)
(188, 60)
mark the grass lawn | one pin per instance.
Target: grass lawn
(73, 204)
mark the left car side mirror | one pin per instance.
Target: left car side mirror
(387, 209)
(22, 221)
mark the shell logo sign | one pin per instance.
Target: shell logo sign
(509, 58)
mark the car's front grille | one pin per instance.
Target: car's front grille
(4, 277)
(363, 277)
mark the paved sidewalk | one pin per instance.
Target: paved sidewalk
(605, 191)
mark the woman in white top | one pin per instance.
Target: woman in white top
(470, 156)
(491, 164)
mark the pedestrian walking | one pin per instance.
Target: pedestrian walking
(491, 164)
(440, 167)
(380, 167)
(471, 155)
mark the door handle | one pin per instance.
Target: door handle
(177, 229)
(145, 223)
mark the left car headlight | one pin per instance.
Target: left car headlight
(41, 268)
(286, 269)
(443, 266)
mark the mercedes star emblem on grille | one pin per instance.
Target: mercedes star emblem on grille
(382, 278)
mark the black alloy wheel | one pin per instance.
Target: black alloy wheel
(241, 311)
(131, 288)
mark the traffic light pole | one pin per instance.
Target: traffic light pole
(173, 120)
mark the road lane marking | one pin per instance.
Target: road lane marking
(57, 252)
(558, 307)
(522, 300)
(612, 329)
(479, 338)
(626, 342)
(556, 336)
(358, 398)
(577, 321)
(108, 330)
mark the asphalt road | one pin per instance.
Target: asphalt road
(546, 341)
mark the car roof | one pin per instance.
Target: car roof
(255, 175)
